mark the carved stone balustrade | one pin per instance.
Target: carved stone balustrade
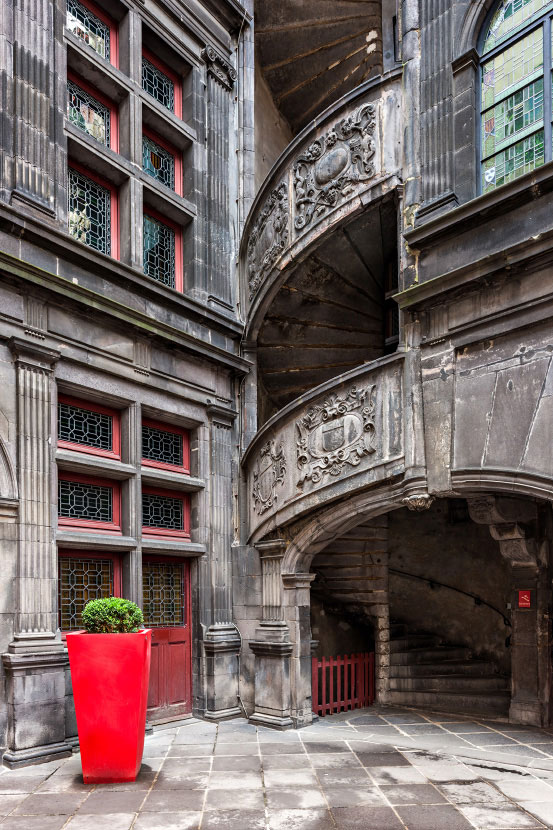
(349, 156)
(343, 436)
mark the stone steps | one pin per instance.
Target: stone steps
(422, 655)
(450, 682)
(493, 703)
(476, 668)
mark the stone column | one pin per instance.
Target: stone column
(221, 640)
(272, 646)
(297, 602)
(35, 661)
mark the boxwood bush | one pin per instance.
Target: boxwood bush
(112, 615)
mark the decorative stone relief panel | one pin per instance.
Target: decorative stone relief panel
(269, 470)
(268, 237)
(328, 171)
(337, 432)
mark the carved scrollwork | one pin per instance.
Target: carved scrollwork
(333, 165)
(419, 502)
(337, 432)
(269, 470)
(219, 67)
(268, 237)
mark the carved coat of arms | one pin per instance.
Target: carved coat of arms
(333, 165)
(269, 470)
(337, 432)
(268, 237)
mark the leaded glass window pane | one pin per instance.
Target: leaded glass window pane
(159, 251)
(81, 580)
(89, 212)
(162, 445)
(83, 426)
(511, 16)
(162, 511)
(92, 502)
(514, 161)
(158, 85)
(88, 27)
(511, 117)
(162, 593)
(88, 114)
(512, 67)
(158, 162)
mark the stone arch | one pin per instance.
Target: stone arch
(471, 26)
(8, 479)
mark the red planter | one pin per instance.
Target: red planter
(110, 674)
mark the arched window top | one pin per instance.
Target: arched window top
(516, 91)
(509, 17)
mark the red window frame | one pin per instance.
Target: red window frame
(177, 82)
(184, 434)
(114, 205)
(113, 527)
(102, 410)
(186, 585)
(113, 31)
(107, 102)
(177, 155)
(179, 271)
(79, 554)
(163, 531)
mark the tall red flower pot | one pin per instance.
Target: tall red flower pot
(110, 674)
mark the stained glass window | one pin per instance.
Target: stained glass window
(159, 251)
(88, 27)
(516, 116)
(79, 425)
(162, 511)
(162, 445)
(162, 593)
(89, 212)
(81, 580)
(158, 85)
(158, 162)
(88, 114)
(91, 502)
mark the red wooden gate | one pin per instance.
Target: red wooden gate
(341, 683)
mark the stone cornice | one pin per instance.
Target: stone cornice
(32, 354)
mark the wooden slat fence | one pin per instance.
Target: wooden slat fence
(342, 683)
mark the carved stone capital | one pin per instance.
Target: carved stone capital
(418, 502)
(33, 354)
(219, 68)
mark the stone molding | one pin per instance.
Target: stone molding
(219, 68)
(501, 514)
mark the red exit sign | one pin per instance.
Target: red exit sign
(524, 599)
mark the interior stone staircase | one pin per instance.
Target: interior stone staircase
(427, 672)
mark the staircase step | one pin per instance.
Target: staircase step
(492, 703)
(450, 683)
(398, 629)
(414, 641)
(473, 668)
(430, 655)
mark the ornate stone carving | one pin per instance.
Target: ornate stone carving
(337, 432)
(333, 165)
(504, 517)
(219, 67)
(418, 502)
(268, 237)
(269, 470)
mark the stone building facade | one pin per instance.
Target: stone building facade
(275, 348)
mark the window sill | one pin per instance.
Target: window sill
(80, 462)
(174, 481)
(174, 548)
(77, 540)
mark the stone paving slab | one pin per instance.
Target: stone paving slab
(377, 769)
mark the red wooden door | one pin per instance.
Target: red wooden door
(166, 595)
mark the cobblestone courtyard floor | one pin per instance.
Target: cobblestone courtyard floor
(377, 769)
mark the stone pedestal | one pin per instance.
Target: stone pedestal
(222, 647)
(273, 651)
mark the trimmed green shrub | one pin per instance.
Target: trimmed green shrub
(112, 615)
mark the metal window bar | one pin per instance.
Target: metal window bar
(162, 511)
(92, 502)
(88, 114)
(78, 425)
(163, 446)
(89, 28)
(89, 212)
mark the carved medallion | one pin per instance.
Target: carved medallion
(268, 237)
(335, 433)
(333, 165)
(269, 470)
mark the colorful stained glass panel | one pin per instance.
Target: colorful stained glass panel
(89, 212)
(159, 251)
(511, 16)
(506, 120)
(512, 67)
(158, 162)
(88, 114)
(514, 161)
(89, 28)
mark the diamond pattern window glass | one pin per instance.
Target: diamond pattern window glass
(158, 85)
(158, 162)
(78, 425)
(516, 117)
(88, 114)
(89, 212)
(81, 580)
(165, 512)
(79, 500)
(162, 445)
(163, 595)
(88, 27)
(159, 251)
